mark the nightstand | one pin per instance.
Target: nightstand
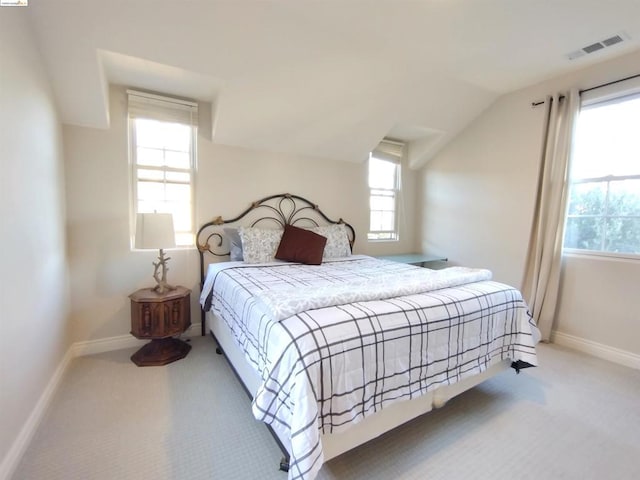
(419, 259)
(160, 317)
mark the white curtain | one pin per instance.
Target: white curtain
(542, 274)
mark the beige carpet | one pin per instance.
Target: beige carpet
(574, 417)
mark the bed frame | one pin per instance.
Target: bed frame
(287, 209)
(275, 210)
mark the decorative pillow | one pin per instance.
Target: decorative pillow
(300, 245)
(235, 244)
(337, 240)
(259, 245)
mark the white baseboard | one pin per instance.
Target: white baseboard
(90, 347)
(19, 447)
(596, 349)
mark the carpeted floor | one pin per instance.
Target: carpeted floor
(574, 417)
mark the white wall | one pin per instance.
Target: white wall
(34, 299)
(478, 193)
(599, 301)
(477, 200)
(103, 269)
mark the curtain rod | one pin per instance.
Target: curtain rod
(535, 104)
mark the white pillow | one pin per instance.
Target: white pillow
(337, 240)
(259, 245)
(235, 244)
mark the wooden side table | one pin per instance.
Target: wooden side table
(160, 317)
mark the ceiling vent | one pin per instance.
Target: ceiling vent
(594, 47)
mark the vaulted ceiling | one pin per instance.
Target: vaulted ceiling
(322, 78)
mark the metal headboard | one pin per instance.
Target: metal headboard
(281, 209)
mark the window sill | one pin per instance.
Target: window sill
(172, 249)
(577, 253)
(383, 240)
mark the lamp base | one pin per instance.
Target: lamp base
(161, 351)
(161, 278)
(164, 287)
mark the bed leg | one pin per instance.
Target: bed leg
(439, 402)
(284, 464)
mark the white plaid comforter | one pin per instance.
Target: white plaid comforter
(330, 366)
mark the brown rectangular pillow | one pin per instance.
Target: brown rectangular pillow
(300, 245)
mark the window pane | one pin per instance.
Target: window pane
(177, 159)
(607, 140)
(147, 132)
(150, 157)
(383, 193)
(381, 221)
(151, 207)
(184, 239)
(177, 137)
(181, 216)
(623, 235)
(178, 177)
(162, 135)
(177, 192)
(382, 203)
(375, 221)
(150, 191)
(382, 236)
(382, 174)
(388, 221)
(587, 198)
(584, 232)
(624, 197)
(157, 175)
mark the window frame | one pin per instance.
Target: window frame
(610, 96)
(162, 114)
(390, 151)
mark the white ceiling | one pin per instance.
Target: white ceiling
(321, 78)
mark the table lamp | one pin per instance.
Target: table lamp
(155, 230)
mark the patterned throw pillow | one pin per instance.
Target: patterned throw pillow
(259, 245)
(337, 240)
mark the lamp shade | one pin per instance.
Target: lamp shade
(154, 230)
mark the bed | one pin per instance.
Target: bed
(335, 351)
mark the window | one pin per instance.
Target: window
(604, 197)
(384, 189)
(163, 152)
